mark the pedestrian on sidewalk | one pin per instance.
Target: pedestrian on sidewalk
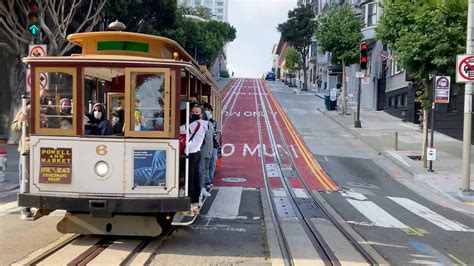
(22, 118)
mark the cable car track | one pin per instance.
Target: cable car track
(283, 156)
(98, 245)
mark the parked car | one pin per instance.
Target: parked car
(270, 76)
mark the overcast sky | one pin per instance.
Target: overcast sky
(250, 54)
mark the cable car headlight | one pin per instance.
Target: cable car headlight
(101, 168)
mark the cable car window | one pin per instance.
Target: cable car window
(148, 108)
(148, 102)
(55, 101)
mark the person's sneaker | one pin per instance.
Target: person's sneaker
(204, 193)
(26, 214)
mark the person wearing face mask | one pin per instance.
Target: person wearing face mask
(196, 133)
(206, 153)
(65, 107)
(102, 125)
(216, 147)
(118, 121)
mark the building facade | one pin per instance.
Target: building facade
(219, 8)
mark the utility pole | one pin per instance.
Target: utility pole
(363, 67)
(466, 151)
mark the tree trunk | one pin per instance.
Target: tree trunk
(344, 89)
(17, 88)
(424, 151)
(305, 85)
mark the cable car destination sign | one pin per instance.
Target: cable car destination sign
(55, 165)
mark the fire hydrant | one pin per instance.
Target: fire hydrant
(3, 164)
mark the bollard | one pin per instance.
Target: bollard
(3, 164)
(396, 141)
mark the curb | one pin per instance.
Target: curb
(358, 136)
(401, 166)
(8, 187)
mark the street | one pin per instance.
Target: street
(401, 225)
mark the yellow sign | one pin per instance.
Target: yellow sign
(55, 165)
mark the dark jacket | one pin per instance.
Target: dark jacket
(100, 126)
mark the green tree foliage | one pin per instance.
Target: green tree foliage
(340, 33)
(203, 40)
(292, 59)
(203, 12)
(426, 36)
(298, 31)
(143, 15)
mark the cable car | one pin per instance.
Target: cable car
(121, 178)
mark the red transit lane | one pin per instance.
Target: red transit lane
(241, 151)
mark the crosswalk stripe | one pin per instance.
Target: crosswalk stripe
(226, 204)
(376, 215)
(430, 215)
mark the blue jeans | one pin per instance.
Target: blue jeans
(212, 166)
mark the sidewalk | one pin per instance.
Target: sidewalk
(379, 130)
(11, 175)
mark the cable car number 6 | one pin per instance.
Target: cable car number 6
(101, 150)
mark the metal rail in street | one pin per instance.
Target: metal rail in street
(97, 248)
(309, 227)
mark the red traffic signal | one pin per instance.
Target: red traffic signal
(363, 56)
(33, 6)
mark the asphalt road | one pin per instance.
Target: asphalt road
(403, 226)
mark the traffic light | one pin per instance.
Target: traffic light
(363, 56)
(33, 25)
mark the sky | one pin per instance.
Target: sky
(250, 54)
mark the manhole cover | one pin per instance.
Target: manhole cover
(234, 179)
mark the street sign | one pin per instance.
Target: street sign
(442, 89)
(43, 80)
(431, 154)
(36, 50)
(465, 69)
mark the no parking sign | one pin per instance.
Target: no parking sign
(465, 68)
(37, 50)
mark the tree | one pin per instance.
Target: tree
(340, 33)
(143, 16)
(293, 60)
(203, 12)
(204, 40)
(57, 19)
(426, 36)
(298, 31)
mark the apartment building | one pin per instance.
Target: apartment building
(219, 8)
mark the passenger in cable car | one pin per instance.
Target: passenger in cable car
(118, 121)
(49, 116)
(65, 107)
(66, 123)
(98, 124)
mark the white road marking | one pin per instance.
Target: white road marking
(376, 215)
(226, 203)
(353, 195)
(300, 193)
(430, 215)
(279, 193)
